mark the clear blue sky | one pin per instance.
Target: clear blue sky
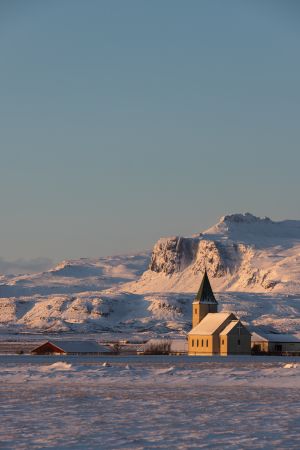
(123, 121)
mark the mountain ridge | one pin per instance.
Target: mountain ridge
(241, 252)
(253, 265)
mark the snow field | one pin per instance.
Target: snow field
(149, 402)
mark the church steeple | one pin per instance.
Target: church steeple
(205, 293)
(204, 302)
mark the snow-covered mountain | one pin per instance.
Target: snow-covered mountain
(253, 265)
(242, 253)
(77, 276)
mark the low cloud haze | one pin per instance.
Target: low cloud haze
(25, 265)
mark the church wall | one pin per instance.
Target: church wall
(196, 314)
(237, 344)
(200, 345)
(216, 344)
(223, 345)
(200, 310)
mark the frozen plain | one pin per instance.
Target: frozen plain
(141, 402)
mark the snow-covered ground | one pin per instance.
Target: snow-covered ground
(149, 402)
(129, 314)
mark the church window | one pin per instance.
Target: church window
(202, 343)
(197, 342)
(192, 342)
(206, 342)
(195, 310)
(239, 342)
(222, 341)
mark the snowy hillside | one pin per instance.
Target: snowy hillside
(253, 266)
(76, 276)
(127, 314)
(242, 253)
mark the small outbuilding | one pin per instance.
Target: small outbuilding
(275, 343)
(65, 347)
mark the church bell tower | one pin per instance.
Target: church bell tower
(204, 302)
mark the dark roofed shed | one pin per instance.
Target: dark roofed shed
(64, 347)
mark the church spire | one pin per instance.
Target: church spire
(204, 301)
(205, 293)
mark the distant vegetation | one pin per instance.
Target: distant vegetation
(162, 347)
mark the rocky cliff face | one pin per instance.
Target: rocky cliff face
(241, 252)
(173, 254)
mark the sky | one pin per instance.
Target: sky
(121, 122)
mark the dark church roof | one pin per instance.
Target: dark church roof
(205, 293)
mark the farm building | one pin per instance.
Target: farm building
(70, 348)
(213, 332)
(275, 343)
